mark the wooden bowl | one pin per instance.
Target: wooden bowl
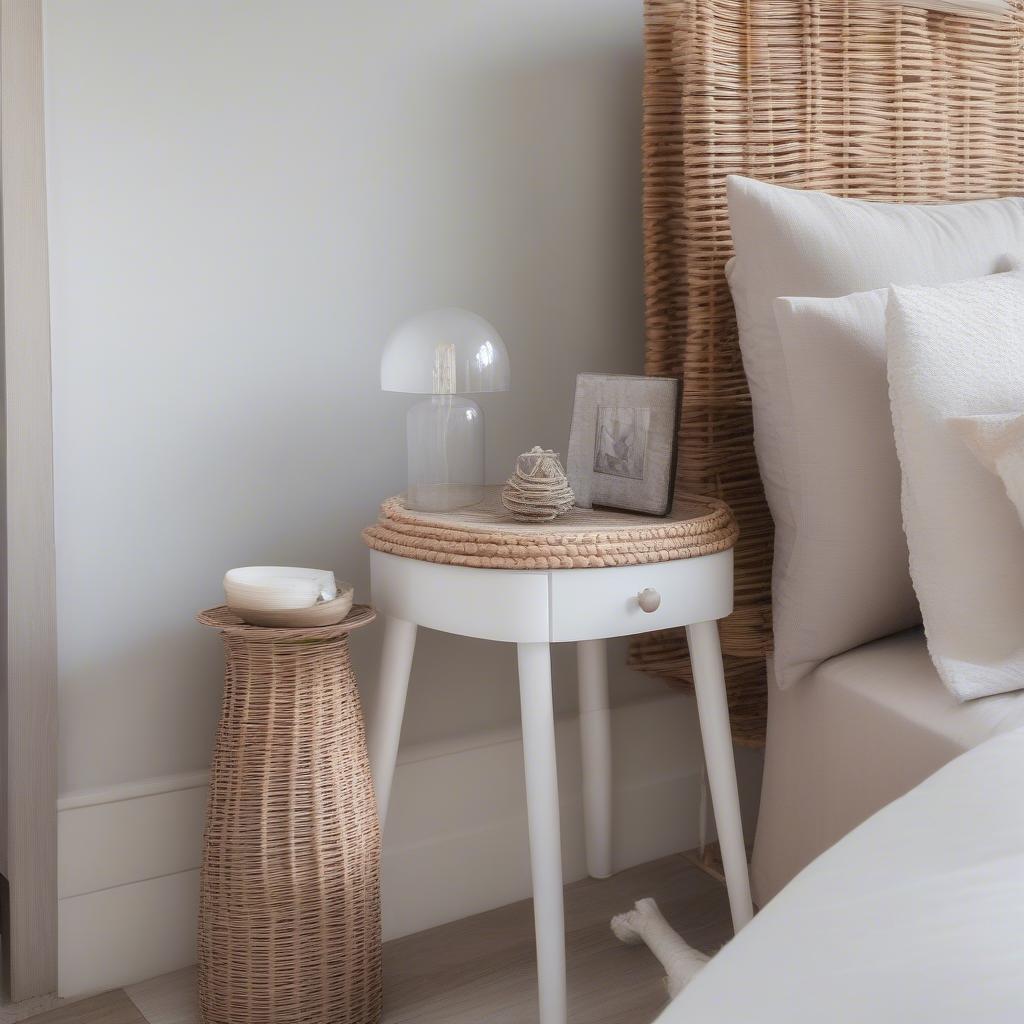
(325, 613)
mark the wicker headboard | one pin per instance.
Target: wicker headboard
(861, 98)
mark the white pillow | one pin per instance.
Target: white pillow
(847, 580)
(958, 351)
(791, 242)
(998, 443)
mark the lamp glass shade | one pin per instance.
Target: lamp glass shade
(445, 352)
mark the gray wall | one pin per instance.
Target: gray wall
(245, 197)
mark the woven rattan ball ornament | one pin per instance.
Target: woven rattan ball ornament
(538, 491)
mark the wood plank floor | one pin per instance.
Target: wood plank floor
(111, 1008)
(482, 968)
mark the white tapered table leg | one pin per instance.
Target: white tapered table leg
(545, 832)
(385, 725)
(596, 744)
(713, 709)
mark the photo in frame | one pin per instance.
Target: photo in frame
(622, 444)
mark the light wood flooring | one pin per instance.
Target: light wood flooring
(482, 968)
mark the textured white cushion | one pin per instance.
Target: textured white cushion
(958, 351)
(790, 242)
(998, 442)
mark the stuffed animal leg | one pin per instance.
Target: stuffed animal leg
(644, 923)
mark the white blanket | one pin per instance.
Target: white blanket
(989, 8)
(917, 915)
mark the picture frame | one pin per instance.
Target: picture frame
(622, 443)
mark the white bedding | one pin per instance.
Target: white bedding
(988, 8)
(917, 915)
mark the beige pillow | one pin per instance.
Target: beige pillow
(847, 578)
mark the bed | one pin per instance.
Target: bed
(928, 932)
(865, 728)
(859, 98)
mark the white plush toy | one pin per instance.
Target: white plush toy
(644, 923)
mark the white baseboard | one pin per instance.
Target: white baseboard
(456, 841)
(118, 936)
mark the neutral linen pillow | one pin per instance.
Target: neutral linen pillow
(847, 580)
(998, 443)
(958, 351)
(792, 242)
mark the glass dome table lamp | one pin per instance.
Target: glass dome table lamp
(445, 354)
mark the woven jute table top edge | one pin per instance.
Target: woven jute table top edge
(486, 536)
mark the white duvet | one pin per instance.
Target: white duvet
(915, 916)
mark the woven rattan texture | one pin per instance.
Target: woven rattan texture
(289, 918)
(486, 537)
(860, 98)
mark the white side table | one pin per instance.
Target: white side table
(534, 609)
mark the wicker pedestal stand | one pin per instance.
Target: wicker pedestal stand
(289, 916)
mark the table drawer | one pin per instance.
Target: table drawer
(590, 603)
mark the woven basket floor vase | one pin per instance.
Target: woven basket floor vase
(289, 912)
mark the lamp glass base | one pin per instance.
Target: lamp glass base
(445, 438)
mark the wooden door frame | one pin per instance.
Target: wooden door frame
(28, 689)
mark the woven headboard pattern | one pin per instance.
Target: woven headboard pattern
(861, 98)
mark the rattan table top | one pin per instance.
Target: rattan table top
(486, 536)
(225, 621)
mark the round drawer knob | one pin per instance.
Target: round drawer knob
(650, 599)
